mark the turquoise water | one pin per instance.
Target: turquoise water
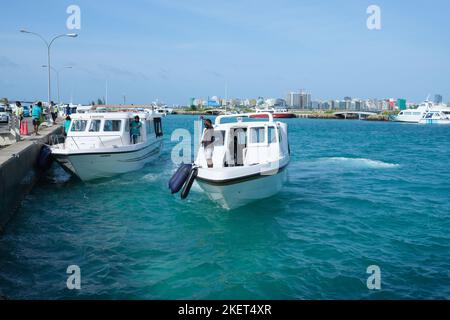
(359, 194)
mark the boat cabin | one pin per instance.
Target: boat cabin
(240, 143)
(437, 115)
(105, 130)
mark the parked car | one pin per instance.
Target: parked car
(4, 115)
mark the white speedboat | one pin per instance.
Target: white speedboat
(441, 116)
(415, 115)
(98, 145)
(249, 162)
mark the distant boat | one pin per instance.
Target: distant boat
(276, 113)
(438, 116)
(98, 145)
(415, 115)
(161, 108)
(164, 111)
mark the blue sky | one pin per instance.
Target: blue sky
(177, 49)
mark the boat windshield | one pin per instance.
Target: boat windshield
(79, 125)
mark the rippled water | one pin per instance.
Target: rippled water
(359, 194)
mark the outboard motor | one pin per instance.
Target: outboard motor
(179, 178)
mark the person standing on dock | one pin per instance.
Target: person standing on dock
(54, 111)
(19, 112)
(135, 130)
(36, 114)
(67, 123)
(208, 142)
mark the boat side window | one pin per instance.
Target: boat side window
(429, 115)
(272, 135)
(158, 127)
(112, 125)
(150, 128)
(219, 138)
(257, 135)
(401, 113)
(79, 125)
(94, 126)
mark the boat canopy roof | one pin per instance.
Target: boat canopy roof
(243, 115)
(113, 115)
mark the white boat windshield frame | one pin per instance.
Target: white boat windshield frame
(243, 115)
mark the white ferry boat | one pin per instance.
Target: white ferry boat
(249, 162)
(99, 145)
(441, 116)
(415, 115)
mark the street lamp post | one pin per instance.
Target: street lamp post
(57, 77)
(49, 44)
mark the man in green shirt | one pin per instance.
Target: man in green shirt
(19, 111)
(135, 130)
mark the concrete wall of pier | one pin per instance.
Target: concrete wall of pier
(19, 173)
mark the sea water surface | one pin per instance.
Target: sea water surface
(358, 194)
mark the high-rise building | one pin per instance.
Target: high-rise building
(293, 100)
(401, 104)
(305, 100)
(335, 104)
(326, 105)
(358, 105)
(316, 105)
(437, 98)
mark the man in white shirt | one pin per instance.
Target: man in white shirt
(208, 142)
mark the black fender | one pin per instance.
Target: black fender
(179, 178)
(44, 159)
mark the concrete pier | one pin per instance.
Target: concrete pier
(18, 171)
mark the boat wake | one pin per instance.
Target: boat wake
(359, 163)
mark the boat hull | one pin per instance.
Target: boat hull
(91, 166)
(232, 195)
(406, 120)
(434, 121)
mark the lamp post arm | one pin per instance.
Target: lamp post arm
(41, 37)
(53, 40)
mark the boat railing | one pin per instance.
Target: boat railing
(244, 115)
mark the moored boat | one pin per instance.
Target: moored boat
(99, 145)
(276, 113)
(249, 161)
(441, 116)
(415, 115)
